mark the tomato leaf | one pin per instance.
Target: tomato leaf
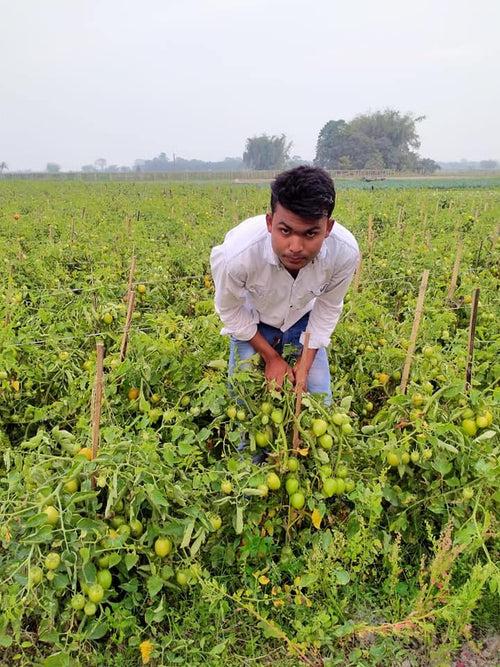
(154, 584)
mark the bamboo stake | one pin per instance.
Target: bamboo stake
(370, 233)
(416, 323)
(299, 387)
(456, 268)
(126, 330)
(130, 278)
(97, 399)
(357, 274)
(470, 344)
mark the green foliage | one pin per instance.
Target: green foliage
(265, 152)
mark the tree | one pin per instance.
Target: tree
(53, 168)
(88, 169)
(3, 167)
(101, 163)
(264, 152)
(381, 140)
(484, 164)
(427, 165)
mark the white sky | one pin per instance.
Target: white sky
(123, 79)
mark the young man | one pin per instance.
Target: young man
(284, 273)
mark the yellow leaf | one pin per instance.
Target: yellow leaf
(263, 579)
(15, 385)
(146, 648)
(304, 451)
(316, 518)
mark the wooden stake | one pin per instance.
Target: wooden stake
(299, 387)
(456, 268)
(370, 233)
(97, 399)
(470, 344)
(130, 279)
(400, 218)
(416, 323)
(357, 274)
(130, 311)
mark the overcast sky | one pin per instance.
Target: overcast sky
(123, 79)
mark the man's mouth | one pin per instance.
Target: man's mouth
(293, 260)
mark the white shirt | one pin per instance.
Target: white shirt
(252, 286)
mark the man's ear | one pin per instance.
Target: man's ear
(269, 221)
(329, 226)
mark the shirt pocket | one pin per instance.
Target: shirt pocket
(309, 295)
(260, 295)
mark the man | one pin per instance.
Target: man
(284, 273)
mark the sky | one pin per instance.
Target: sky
(123, 79)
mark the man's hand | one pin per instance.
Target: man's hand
(302, 368)
(276, 371)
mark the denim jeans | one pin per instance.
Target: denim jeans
(318, 379)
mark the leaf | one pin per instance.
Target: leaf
(184, 448)
(156, 497)
(316, 518)
(343, 577)
(238, 523)
(442, 466)
(486, 435)
(5, 641)
(195, 547)
(187, 534)
(154, 584)
(130, 560)
(220, 648)
(97, 629)
(263, 579)
(89, 572)
(57, 660)
(114, 559)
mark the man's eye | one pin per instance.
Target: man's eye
(311, 235)
(285, 232)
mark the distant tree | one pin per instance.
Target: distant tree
(88, 169)
(427, 165)
(484, 164)
(53, 168)
(265, 152)
(101, 163)
(384, 139)
(3, 167)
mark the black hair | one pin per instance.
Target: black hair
(308, 192)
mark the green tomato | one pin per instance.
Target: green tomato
(292, 464)
(342, 471)
(469, 427)
(415, 456)
(277, 416)
(226, 487)
(90, 609)
(319, 427)
(78, 602)
(325, 441)
(231, 412)
(95, 593)
(405, 458)
(182, 578)
(104, 578)
(136, 528)
(393, 459)
(329, 487)
(467, 493)
(297, 500)
(273, 481)
(349, 485)
(52, 560)
(266, 408)
(241, 415)
(291, 485)
(338, 418)
(36, 575)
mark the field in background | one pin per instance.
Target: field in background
(372, 545)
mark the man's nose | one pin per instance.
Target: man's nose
(295, 244)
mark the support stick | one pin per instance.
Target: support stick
(130, 278)
(97, 398)
(126, 330)
(299, 387)
(470, 344)
(357, 274)
(416, 323)
(370, 233)
(456, 268)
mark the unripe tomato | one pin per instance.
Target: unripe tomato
(52, 560)
(71, 486)
(231, 412)
(469, 427)
(104, 578)
(261, 439)
(216, 521)
(417, 400)
(277, 416)
(325, 441)
(468, 414)
(86, 452)
(117, 521)
(329, 487)
(484, 420)
(141, 288)
(393, 459)
(467, 493)
(405, 458)
(52, 514)
(338, 418)
(297, 500)
(427, 454)
(78, 602)
(241, 415)
(103, 561)
(162, 547)
(292, 464)
(273, 481)
(349, 485)
(133, 394)
(136, 528)
(107, 318)
(90, 609)
(95, 593)
(226, 487)
(346, 428)
(263, 490)
(182, 578)
(266, 408)
(415, 456)
(291, 485)
(342, 471)
(36, 575)
(319, 427)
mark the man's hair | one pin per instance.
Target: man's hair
(306, 191)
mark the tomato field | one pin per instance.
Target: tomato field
(371, 544)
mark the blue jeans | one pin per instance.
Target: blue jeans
(318, 379)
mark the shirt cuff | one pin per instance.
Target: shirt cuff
(245, 334)
(315, 341)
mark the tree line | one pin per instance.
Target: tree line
(381, 140)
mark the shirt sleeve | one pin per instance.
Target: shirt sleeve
(328, 306)
(231, 303)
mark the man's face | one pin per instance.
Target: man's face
(295, 240)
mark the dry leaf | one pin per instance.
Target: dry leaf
(316, 518)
